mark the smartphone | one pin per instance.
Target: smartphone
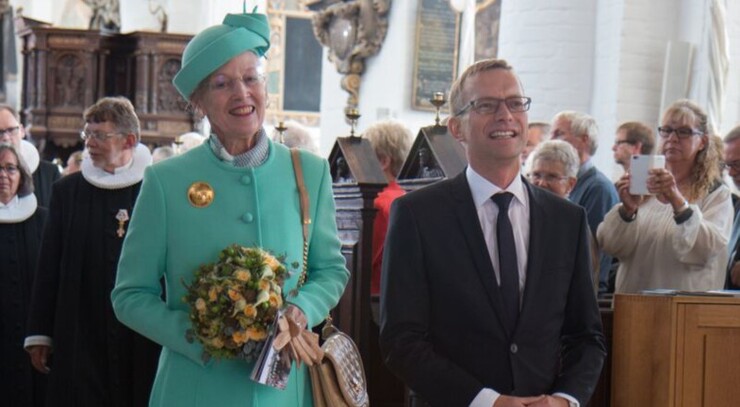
(639, 168)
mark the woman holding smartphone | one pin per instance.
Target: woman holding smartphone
(676, 237)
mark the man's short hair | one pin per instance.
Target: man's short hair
(117, 110)
(390, 139)
(456, 102)
(637, 132)
(558, 151)
(733, 135)
(581, 123)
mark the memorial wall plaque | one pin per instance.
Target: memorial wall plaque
(437, 44)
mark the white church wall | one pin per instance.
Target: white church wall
(731, 114)
(606, 89)
(551, 46)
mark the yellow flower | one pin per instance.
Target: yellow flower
(264, 285)
(213, 294)
(272, 262)
(200, 305)
(239, 337)
(235, 295)
(242, 275)
(256, 334)
(250, 311)
(217, 343)
(276, 301)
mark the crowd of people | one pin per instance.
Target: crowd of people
(510, 254)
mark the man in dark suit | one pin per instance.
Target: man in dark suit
(44, 172)
(481, 307)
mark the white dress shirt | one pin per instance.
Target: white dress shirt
(482, 191)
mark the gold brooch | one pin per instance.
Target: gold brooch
(200, 194)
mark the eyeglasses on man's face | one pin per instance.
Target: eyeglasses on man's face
(87, 134)
(10, 131)
(681, 132)
(9, 169)
(515, 104)
(543, 177)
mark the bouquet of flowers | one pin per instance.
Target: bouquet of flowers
(235, 301)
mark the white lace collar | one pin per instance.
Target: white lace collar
(30, 155)
(123, 177)
(18, 209)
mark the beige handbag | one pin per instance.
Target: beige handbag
(338, 380)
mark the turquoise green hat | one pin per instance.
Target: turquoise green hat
(216, 45)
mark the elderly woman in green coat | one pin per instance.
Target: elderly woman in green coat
(238, 187)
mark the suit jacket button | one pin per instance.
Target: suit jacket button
(513, 348)
(247, 218)
(246, 180)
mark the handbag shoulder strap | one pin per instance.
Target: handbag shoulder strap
(305, 221)
(305, 214)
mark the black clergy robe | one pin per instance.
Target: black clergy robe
(44, 176)
(96, 361)
(20, 384)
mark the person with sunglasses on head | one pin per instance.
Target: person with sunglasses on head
(676, 237)
(73, 335)
(486, 294)
(21, 225)
(44, 172)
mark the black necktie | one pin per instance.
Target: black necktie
(508, 269)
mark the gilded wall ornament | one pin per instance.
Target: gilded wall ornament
(353, 31)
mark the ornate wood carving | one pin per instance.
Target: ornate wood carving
(67, 70)
(353, 31)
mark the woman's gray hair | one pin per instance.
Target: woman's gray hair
(558, 151)
(25, 185)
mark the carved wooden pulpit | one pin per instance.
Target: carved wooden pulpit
(63, 73)
(148, 62)
(67, 70)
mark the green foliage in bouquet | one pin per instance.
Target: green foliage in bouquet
(234, 302)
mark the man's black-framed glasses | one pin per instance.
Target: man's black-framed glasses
(491, 105)
(681, 132)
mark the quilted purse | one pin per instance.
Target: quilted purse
(338, 380)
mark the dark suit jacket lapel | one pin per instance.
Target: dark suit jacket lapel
(467, 215)
(537, 235)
